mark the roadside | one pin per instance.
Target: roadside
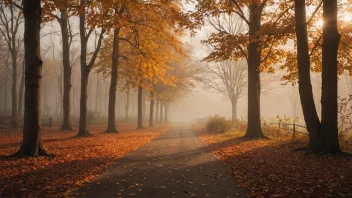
(269, 168)
(76, 161)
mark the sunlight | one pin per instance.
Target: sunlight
(347, 17)
(319, 24)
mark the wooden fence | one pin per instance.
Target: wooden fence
(294, 128)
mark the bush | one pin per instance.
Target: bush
(219, 124)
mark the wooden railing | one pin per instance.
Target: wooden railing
(286, 126)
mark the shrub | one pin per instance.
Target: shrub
(219, 124)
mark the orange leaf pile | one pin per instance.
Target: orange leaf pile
(269, 168)
(76, 161)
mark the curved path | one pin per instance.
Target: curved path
(176, 164)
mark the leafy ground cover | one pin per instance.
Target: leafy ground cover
(76, 161)
(269, 168)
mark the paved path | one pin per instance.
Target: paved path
(176, 164)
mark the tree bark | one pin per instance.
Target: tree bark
(254, 129)
(151, 111)
(14, 82)
(140, 109)
(83, 129)
(113, 84)
(21, 93)
(304, 81)
(31, 144)
(329, 141)
(66, 107)
(5, 95)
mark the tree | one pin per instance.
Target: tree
(323, 136)
(10, 19)
(86, 66)
(31, 144)
(228, 78)
(151, 110)
(329, 141)
(66, 44)
(260, 45)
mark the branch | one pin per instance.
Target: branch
(315, 46)
(15, 4)
(240, 12)
(315, 11)
(95, 54)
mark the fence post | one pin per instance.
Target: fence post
(50, 122)
(294, 132)
(279, 125)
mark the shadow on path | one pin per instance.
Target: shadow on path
(176, 164)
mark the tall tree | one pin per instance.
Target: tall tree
(66, 43)
(151, 109)
(31, 144)
(140, 109)
(303, 62)
(329, 116)
(323, 136)
(260, 44)
(86, 66)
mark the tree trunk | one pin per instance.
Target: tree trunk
(234, 109)
(5, 95)
(254, 129)
(140, 109)
(151, 110)
(161, 112)
(144, 106)
(14, 84)
(157, 110)
(31, 144)
(83, 129)
(113, 84)
(305, 87)
(329, 141)
(166, 114)
(21, 93)
(97, 96)
(66, 108)
(127, 104)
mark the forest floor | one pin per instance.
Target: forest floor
(76, 161)
(269, 168)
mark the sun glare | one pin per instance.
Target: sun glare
(319, 23)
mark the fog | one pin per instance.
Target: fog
(200, 102)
